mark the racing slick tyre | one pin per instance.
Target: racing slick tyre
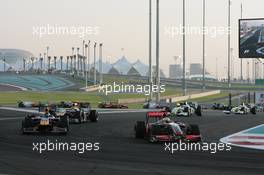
(26, 123)
(140, 129)
(253, 110)
(94, 117)
(80, 119)
(198, 111)
(64, 123)
(193, 130)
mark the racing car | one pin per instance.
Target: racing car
(187, 109)
(241, 109)
(158, 127)
(27, 104)
(112, 105)
(161, 105)
(219, 106)
(79, 113)
(45, 123)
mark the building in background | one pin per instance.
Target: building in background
(14, 57)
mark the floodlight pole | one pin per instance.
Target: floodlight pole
(61, 58)
(241, 61)
(24, 64)
(49, 58)
(83, 62)
(55, 63)
(86, 66)
(67, 66)
(204, 86)
(78, 61)
(101, 62)
(150, 49)
(88, 56)
(44, 60)
(229, 45)
(94, 63)
(47, 51)
(157, 56)
(183, 54)
(41, 62)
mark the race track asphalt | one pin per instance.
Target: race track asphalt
(121, 154)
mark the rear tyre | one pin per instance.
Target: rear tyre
(94, 117)
(253, 110)
(65, 123)
(26, 123)
(140, 129)
(198, 111)
(193, 130)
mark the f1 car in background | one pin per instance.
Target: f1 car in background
(79, 113)
(242, 109)
(187, 109)
(112, 105)
(161, 105)
(158, 127)
(45, 123)
(220, 106)
(28, 104)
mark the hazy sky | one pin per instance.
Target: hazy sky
(124, 24)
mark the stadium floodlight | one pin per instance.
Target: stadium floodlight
(229, 44)
(88, 59)
(32, 61)
(94, 63)
(74, 60)
(83, 62)
(67, 64)
(55, 62)
(150, 50)
(61, 58)
(41, 61)
(24, 64)
(78, 60)
(47, 51)
(71, 57)
(44, 60)
(157, 55)
(49, 58)
(204, 86)
(86, 46)
(101, 62)
(183, 52)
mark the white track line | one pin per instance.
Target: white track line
(19, 109)
(11, 118)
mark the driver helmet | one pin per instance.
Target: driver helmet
(166, 120)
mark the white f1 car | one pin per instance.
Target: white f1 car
(187, 109)
(241, 109)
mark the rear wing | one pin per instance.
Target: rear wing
(51, 108)
(156, 114)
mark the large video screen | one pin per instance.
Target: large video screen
(251, 38)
